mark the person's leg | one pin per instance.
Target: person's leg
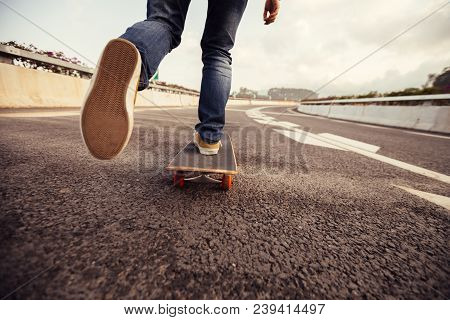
(127, 63)
(156, 36)
(218, 39)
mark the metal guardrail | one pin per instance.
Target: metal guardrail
(8, 53)
(169, 89)
(12, 52)
(430, 97)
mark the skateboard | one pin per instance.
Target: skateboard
(189, 165)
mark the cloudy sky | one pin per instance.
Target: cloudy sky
(312, 42)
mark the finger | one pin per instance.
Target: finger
(275, 11)
(269, 21)
(271, 18)
(266, 10)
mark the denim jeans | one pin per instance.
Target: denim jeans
(161, 32)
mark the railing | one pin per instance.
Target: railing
(435, 99)
(9, 53)
(169, 89)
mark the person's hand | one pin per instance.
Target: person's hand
(271, 10)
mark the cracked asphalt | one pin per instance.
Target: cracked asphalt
(301, 221)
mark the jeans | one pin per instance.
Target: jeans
(161, 32)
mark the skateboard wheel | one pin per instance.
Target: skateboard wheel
(227, 182)
(178, 180)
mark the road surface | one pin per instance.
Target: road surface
(320, 209)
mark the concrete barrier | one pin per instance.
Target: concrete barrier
(22, 88)
(150, 98)
(425, 118)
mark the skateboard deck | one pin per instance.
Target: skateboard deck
(189, 164)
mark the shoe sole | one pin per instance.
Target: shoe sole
(105, 121)
(207, 152)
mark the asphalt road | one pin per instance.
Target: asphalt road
(305, 219)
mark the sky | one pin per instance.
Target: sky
(311, 43)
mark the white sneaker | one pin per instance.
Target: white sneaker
(107, 112)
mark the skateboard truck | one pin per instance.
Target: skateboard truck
(179, 179)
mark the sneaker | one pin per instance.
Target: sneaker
(107, 112)
(208, 149)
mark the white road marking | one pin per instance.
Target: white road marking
(290, 114)
(254, 113)
(273, 122)
(397, 163)
(287, 125)
(434, 198)
(348, 122)
(306, 138)
(394, 162)
(264, 121)
(266, 118)
(351, 142)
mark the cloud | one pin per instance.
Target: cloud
(314, 41)
(311, 43)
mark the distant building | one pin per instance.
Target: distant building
(245, 93)
(275, 94)
(291, 94)
(263, 94)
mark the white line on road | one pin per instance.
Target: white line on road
(263, 121)
(256, 112)
(289, 114)
(351, 142)
(306, 138)
(287, 125)
(434, 198)
(394, 162)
